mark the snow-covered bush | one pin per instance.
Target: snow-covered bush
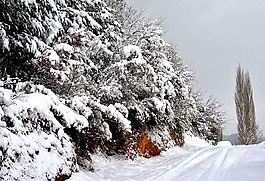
(108, 126)
(34, 144)
(209, 119)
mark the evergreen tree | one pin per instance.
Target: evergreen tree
(248, 132)
(57, 43)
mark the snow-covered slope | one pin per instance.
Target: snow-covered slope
(197, 161)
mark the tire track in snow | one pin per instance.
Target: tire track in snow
(215, 172)
(188, 166)
(206, 165)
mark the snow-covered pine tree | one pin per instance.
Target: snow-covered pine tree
(56, 43)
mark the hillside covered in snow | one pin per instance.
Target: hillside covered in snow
(79, 78)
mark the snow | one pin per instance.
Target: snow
(79, 105)
(27, 2)
(84, 14)
(5, 96)
(40, 156)
(131, 49)
(33, 142)
(196, 161)
(52, 5)
(6, 44)
(121, 108)
(107, 130)
(139, 60)
(224, 143)
(53, 57)
(4, 38)
(192, 142)
(40, 100)
(65, 47)
(42, 104)
(71, 31)
(113, 112)
(161, 137)
(159, 105)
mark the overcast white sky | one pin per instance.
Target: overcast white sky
(214, 36)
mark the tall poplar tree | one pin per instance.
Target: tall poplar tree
(248, 132)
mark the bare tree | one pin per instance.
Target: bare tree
(248, 132)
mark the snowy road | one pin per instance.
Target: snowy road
(220, 163)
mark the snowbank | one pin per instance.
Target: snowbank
(224, 143)
(193, 142)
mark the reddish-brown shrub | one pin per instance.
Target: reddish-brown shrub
(146, 147)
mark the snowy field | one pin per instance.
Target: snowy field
(196, 161)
